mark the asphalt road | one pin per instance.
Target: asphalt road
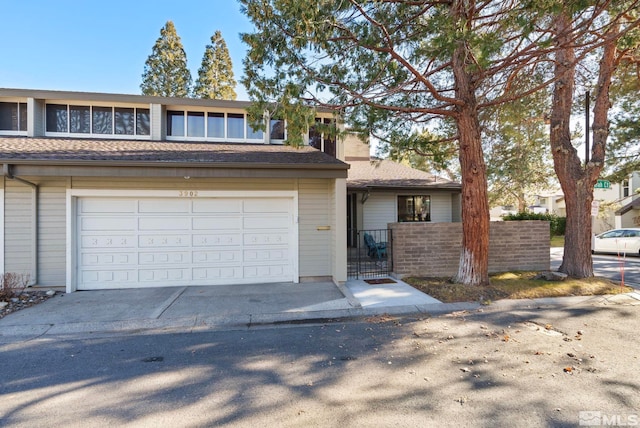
(609, 266)
(530, 367)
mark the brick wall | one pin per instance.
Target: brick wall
(433, 249)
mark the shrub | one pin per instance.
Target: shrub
(556, 223)
(12, 285)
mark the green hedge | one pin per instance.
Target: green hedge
(556, 222)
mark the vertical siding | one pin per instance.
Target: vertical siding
(35, 117)
(314, 205)
(456, 207)
(440, 207)
(18, 211)
(157, 122)
(52, 228)
(378, 211)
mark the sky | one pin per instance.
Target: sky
(90, 46)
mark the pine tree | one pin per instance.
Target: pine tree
(215, 76)
(165, 71)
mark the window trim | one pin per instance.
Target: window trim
(324, 120)
(136, 110)
(216, 114)
(414, 214)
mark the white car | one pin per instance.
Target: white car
(618, 241)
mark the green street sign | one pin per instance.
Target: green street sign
(603, 184)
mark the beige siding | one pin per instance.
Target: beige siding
(440, 207)
(52, 228)
(355, 147)
(18, 218)
(315, 245)
(456, 207)
(378, 211)
(157, 122)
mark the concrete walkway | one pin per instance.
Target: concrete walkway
(224, 307)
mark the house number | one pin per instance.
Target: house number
(188, 193)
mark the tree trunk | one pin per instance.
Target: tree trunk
(577, 181)
(474, 256)
(522, 202)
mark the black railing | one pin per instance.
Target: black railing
(369, 255)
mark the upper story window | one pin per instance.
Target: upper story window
(625, 188)
(13, 116)
(78, 119)
(277, 129)
(320, 138)
(211, 125)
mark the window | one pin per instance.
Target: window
(414, 208)
(211, 125)
(143, 121)
(277, 128)
(215, 125)
(625, 188)
(124, 120)
(235, 125)
(13, 116)
(79, 119)
(75, 119)
(195, 124)
(319, 137)
(102, 120)
(254, 134)
(175, 123)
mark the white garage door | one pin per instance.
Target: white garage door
(154, 242)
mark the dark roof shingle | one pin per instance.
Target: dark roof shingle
(67, 150)
(388, 174)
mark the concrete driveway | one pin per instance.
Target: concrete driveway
(109, 311)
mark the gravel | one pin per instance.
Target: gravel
(24, 300)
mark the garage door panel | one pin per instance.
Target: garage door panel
(265, 255)
(153, 258)
(107, 205)
(103, 223)
(233, 256)
(149, 242)
(217, 223)
(214, 240)
(164, 241)
(266, 222)
(102, 278)
(266, 238)
(108, 241)
(217, 274)
(160, 223)
(164, 206)
(164, 275)
(107, 259)
(265, 271)
(217, 206)
(265, 205)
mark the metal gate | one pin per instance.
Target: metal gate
(370, 254)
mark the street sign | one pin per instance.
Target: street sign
(595, 206)
(603, 184)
